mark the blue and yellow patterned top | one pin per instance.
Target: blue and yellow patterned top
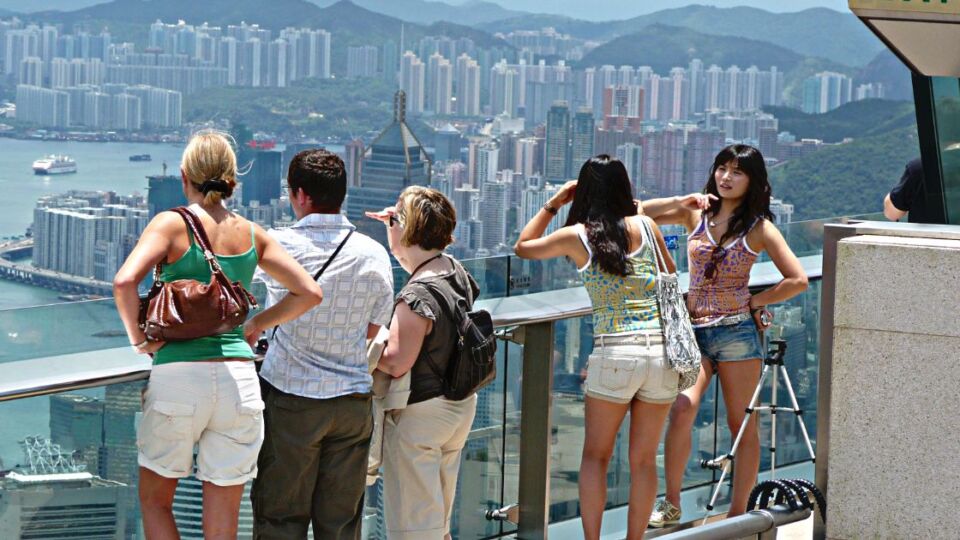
(623, 303)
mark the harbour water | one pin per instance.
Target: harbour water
(100, 166)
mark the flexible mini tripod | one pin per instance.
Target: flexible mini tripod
(722, 463)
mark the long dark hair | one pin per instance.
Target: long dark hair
(603, 198)
(756, 202)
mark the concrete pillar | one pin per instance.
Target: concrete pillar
(893, 458)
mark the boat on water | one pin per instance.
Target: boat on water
(141, 157)
(54, 165)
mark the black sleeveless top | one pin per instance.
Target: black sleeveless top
(423, 296)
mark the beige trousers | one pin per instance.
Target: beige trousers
(421, 460)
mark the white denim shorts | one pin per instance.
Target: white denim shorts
(215, 405)
(624, 367)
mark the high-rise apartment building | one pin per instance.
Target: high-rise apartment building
(361, 61)
(581, 139)
(439, 96)
(391, 61)
(353, 161)
(467, 86)
(631, 154)
(525, 154)
(623, 108)
(43, 106)
(826, 91)
(557, 148)
(412, 82)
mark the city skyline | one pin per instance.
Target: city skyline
(607, 10)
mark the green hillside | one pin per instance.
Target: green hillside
(846, 179)
(308, 108)
(857, 119)
(824, 33)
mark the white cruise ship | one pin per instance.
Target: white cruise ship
(54, 165)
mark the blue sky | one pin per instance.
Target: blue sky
(623, 9)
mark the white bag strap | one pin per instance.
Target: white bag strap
(657, 256)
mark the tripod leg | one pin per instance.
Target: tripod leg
(716, 490)
(798, 412)
(773, 425)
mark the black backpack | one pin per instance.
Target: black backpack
(473, 361)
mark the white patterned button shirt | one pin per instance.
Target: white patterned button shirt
(322, 353)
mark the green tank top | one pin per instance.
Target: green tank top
(192, 265)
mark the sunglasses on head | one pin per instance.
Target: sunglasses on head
(716, 257)
(394, 220)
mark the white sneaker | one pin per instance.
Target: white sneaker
(664, 514)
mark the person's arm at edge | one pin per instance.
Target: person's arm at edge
(794, 279)
(304, 293)
(151, 249)
(890, 211)
(679, 210)
(531, 244)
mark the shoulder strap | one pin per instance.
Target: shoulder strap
(657, 256)
(322, 268)
(333, 256)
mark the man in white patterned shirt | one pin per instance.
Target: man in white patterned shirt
(312, 467)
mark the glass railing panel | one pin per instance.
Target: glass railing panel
(513, 377)
(58, 329)
(480, 486)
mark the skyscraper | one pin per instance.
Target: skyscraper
(581, 139)
(447, 144)
(631, 154)
(468, 86)
(391, 55)
(262, 181)
(396, 160)
(826, 91)
(412, 82)
(557, 152)
(361, 61)
(439, 85)
(164, 192)
(354, 161)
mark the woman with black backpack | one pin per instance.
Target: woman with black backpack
(422, 442)
(616, 252)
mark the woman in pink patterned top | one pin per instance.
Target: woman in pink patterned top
(729, 224)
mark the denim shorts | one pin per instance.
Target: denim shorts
(631, 366)
(730, 343)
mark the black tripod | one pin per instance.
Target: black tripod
(722, 463)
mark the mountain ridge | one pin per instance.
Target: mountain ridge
(811, 32)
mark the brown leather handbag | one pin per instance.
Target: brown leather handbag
(187, 309)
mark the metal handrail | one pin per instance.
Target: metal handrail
(508, 312)
(752, 523)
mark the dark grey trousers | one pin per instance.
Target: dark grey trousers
(312, 467)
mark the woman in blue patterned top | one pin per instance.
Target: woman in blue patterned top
(628, 370)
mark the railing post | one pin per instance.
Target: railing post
(535, 431)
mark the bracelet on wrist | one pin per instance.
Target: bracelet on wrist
(140, 345)
(550, 209)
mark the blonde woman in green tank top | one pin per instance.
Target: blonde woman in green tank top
(204, 391)
(627, 370)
